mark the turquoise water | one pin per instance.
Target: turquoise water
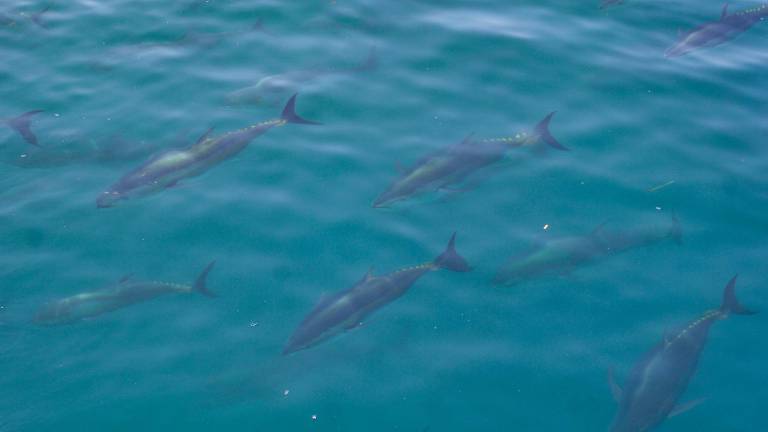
(290, 217)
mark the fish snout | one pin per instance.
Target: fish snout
(675, 51)
(107, 199)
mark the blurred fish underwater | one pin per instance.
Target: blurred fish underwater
(605, 178)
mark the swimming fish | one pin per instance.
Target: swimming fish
(191, 41)
(347, 309)
(125, 293)
(112, 149)
(661, 377)
(274, 88)
(453, 165)
(717, 32)
(562, 255)
(169, 168)
(21, 124)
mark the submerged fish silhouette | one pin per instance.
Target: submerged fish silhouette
(715, 33)
(167, 169)
(453, 165)
(347, 309)
(661, 377)
(562, 255)
(274, 88)
(125, 293)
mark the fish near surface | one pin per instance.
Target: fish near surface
(347, 309)
(660, 378)
(560, 256)
(110, 150)
(125, 293)
(453, 165)
(715, 33)
(272, 89)
(167, 169)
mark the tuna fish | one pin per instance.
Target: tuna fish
(717, 32)
(453, 165)
(125, 293)
(169, 168)
(660, 378)
(272, 89)
(562, 255)
(347, 309)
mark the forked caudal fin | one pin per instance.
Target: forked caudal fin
(731, 304)
(451, 260)
(289, 113)
(199, 285)
(22, 125)
(542, 131)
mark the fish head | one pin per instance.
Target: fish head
(399, 191)
(385, 199)
(677, 50)
(51, 314)
(108, 198)
(300, 340)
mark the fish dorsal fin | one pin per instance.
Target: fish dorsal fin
(125, 278)
(205, 135)
(468, 138)
(686, 407)
(724, 14)
(368, 276)
(616, 391)
(598, 229)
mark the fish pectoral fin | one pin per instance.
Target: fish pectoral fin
(686, 407)
(616, 391)
(125, 278)
(205, 135)
(724, 14)
(172, 184)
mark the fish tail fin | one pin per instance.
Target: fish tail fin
(200, 285)
(676, 231)
(541, 131)
(450, 259)
(731, 304)
(22, 125)
(370, 63)
(289, 113)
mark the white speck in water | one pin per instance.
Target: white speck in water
(545, 227)
(56, 115)
(285, 392)
(23, 155)
(314, 417)
(255, 324)
(658, 208)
